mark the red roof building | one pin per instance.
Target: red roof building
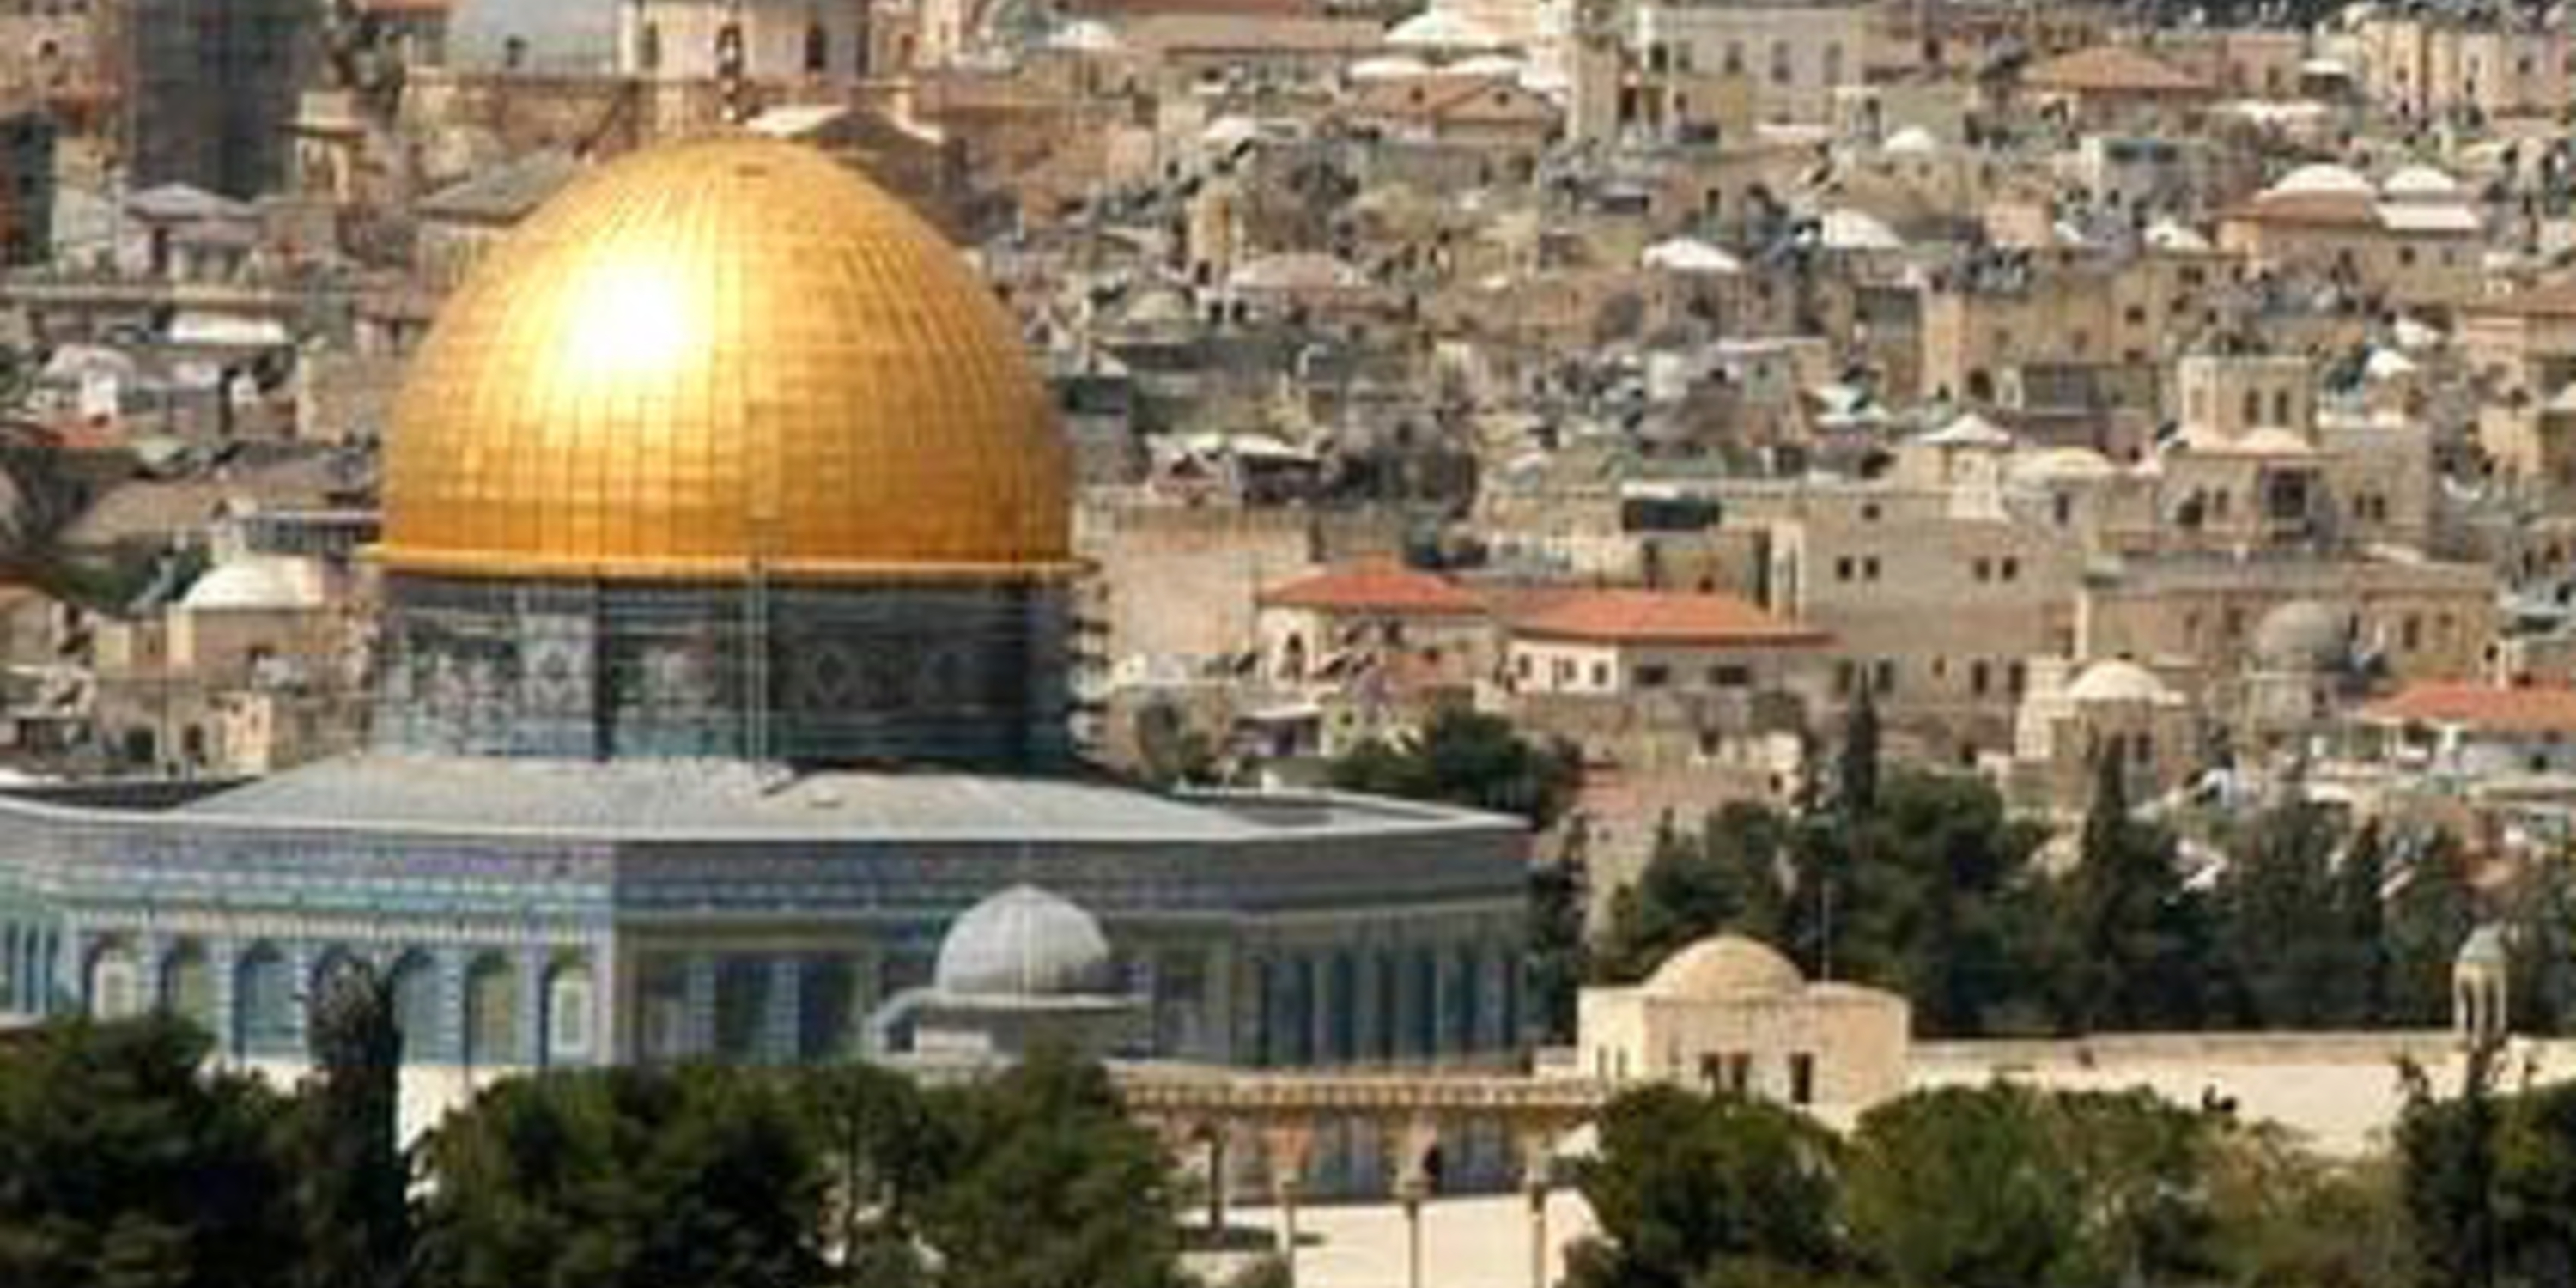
(1376, 587)
(1663, 619)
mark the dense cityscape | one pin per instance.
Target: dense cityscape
(1252, 643)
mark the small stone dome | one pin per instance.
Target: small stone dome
(2118, 681)
(2322, 179)
(1024, 942)
(1725, 966)
(2302, 635)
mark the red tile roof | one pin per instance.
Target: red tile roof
(2486, 707)
(1659, 617)
(1375, 586)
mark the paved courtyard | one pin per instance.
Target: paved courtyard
(1476, 1242)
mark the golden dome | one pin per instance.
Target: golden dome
(721, 352)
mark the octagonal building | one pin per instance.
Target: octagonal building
(721, 666)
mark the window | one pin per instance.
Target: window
(1739, 1073)
(2016, 678)
(2012, 569)
(1869, 568)
(1600, 675)
(491, 1012)
(1524, 666)
(648, 48)
(568, 1003)
(1802, 1078)
(1982, 570)
(1834, 63)
(1846, 677)
(818, 50)
(1781, 72)
(2406, 257)
(2281, 407)
(2253, 407)
(1885, 681)
(1843, 569)
(1980, 677)
(1653, 676)
(1870, 512)
(1731, 676)
(2062, 505)
(1735, 58)
(2411, 634)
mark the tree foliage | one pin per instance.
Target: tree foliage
(124, 1163)
(1684, 1185)
(352, 1180)
(1467, 758)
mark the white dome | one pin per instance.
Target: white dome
(1085, 36)
(1436, 29)
(2421, 181)
(1487, 67)
(1690, 255)
(2063, 464)
(2118, 681)
(1913, 140)
(1857, 230)
(1389, 67)
(1024, 942)
(2321, 179)
(1725, 966)
(267, 583)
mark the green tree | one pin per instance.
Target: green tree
(1724, 876)
(352, 1180)
(1856, 774)
(1692, 1190)
(1467, 758)
(702, 1177)
(1559, 957)
(2287, 950)
(1052, 1186)
(2136, 933)
(2361, 912)
(885, 1152)
(2448, 1152)
(2291, 1220)
(2431, 910)
(126, 1163)
(2004, 1187)
(2541, 913)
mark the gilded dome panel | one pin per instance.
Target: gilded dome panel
(718, 352)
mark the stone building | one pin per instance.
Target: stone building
(210, 87)
(1730, 1014)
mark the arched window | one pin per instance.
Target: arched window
(188, 984)
(568, 1013)
(491, 1011)
(648, 48)
(264, 1002)
(414, 984)
(818, 49)
(115, 983)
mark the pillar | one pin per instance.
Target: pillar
(782, 1026)
(1536, 1150)
(531, 1018)
(1290, 1145)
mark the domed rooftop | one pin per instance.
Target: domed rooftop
(721, 353)
(2302, 635)
(269, 583)
(1026, 943)
(1724, 966)
(2322, 179)
(2421, 182)
(2115, 681)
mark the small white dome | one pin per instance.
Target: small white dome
(1439, 29)
(1913, 140)
(2063, 465)
(1387, 67)
(2322, 179)
(2421, 182)
(1690, 255)
(1024, 942)
(264, 583)
(2118, 681)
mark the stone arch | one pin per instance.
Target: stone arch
(418, 1000)
(571, 1004)
(112, 981)
(187, 984)
(491, 1011)
(264, 1002)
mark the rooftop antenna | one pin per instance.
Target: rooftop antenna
(733, 79)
